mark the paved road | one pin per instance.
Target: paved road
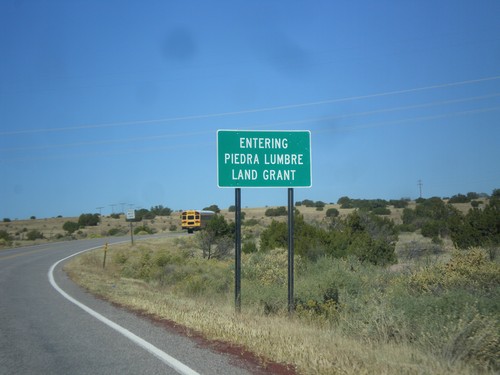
(42, 332)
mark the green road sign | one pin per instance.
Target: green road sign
(263, 158)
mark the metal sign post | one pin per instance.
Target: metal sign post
(237, 251)
(291, 302)
(130, 216)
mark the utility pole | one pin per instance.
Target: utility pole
(420, 187)
(100, 214)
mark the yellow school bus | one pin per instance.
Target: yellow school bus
(195, 219)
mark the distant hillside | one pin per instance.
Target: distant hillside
(36, 231)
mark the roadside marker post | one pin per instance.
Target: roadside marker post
(264, 159)
(105, 252)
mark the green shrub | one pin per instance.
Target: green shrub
(401, 203)
(367, 236)
(319, 205)
(217, 239)
(250, 222)
(378, 252)
(408, 216)
(34, 235)
(432, 208)
(143, 229)
(459, 198)
(4, 235)
(274, 236)
(432, 216)
(117, 231)
(472, 195)
(308, 239)
(344, 201)
(406, 228)
(249, 247)
(219, 226)
(70, 227)
(480, 227)
(279, 211)
(5, 238)
(332, 212)
(87, 220)
(432, 228)
(362, 204)
(308, 203)
(160, 211)
(381, 211)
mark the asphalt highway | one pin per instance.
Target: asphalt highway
(49, 325)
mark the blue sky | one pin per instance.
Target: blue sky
(118, 102)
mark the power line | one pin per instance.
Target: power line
(424, 118)
(255, 110)
(177, 145)
(293, 122)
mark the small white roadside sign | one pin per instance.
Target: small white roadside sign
(130, 215)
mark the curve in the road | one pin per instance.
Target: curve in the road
(170, 361)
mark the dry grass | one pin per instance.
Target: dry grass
(314, 347)
(18, 229)
(52, 227)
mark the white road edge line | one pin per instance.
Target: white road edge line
(178, 366)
